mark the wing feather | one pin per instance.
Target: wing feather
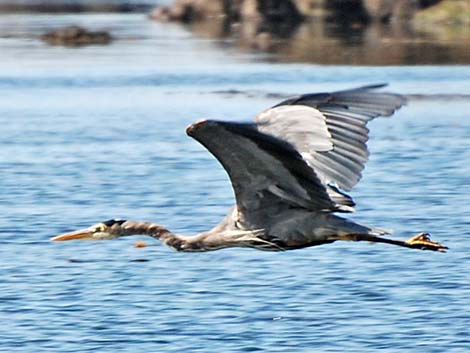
(346, 114)
(300, 151)
(262, 167)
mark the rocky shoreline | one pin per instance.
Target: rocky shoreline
(432, 32)
(362, 32)
(362, 11)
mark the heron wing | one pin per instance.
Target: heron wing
(265, 171)
(329, 131)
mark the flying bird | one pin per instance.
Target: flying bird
(290, 170)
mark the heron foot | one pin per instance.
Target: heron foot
(423, 241)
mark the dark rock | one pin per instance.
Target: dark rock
(74, 36)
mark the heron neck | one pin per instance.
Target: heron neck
(154, 230)
(201, 242)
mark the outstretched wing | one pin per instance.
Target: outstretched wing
(329, 130)
(265, 171)
(299, 152)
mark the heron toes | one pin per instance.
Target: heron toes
(423, 241)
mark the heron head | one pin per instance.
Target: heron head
(101, 231)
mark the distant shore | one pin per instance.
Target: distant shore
(360, 11)
(319, 31)
(435, 35)
(63, 6)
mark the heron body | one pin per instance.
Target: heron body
(290, 171)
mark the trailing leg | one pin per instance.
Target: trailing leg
(420, 241)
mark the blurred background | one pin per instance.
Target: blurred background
(94, 100)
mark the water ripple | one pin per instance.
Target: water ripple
(84, 143)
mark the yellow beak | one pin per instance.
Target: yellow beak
(82, 234)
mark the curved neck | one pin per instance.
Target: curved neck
(155, 231)
(207, 241)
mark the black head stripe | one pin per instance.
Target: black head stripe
(114, 221)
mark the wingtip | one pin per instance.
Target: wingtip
(190, 129)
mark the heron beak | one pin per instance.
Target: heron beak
(82, 234)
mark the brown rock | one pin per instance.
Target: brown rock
(76, 36)
(160, 13)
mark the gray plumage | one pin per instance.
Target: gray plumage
(289, 170)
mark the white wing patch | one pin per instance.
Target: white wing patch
(300, 125)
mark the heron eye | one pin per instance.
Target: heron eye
(101, 228)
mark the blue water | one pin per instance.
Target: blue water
(98, 132)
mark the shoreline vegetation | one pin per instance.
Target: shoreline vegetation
(334, 32)
(330, 32)
(365, 11)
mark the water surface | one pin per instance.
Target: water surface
(98, 132)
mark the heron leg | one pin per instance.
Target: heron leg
(420, 241)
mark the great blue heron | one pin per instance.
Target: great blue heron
(288, 170)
